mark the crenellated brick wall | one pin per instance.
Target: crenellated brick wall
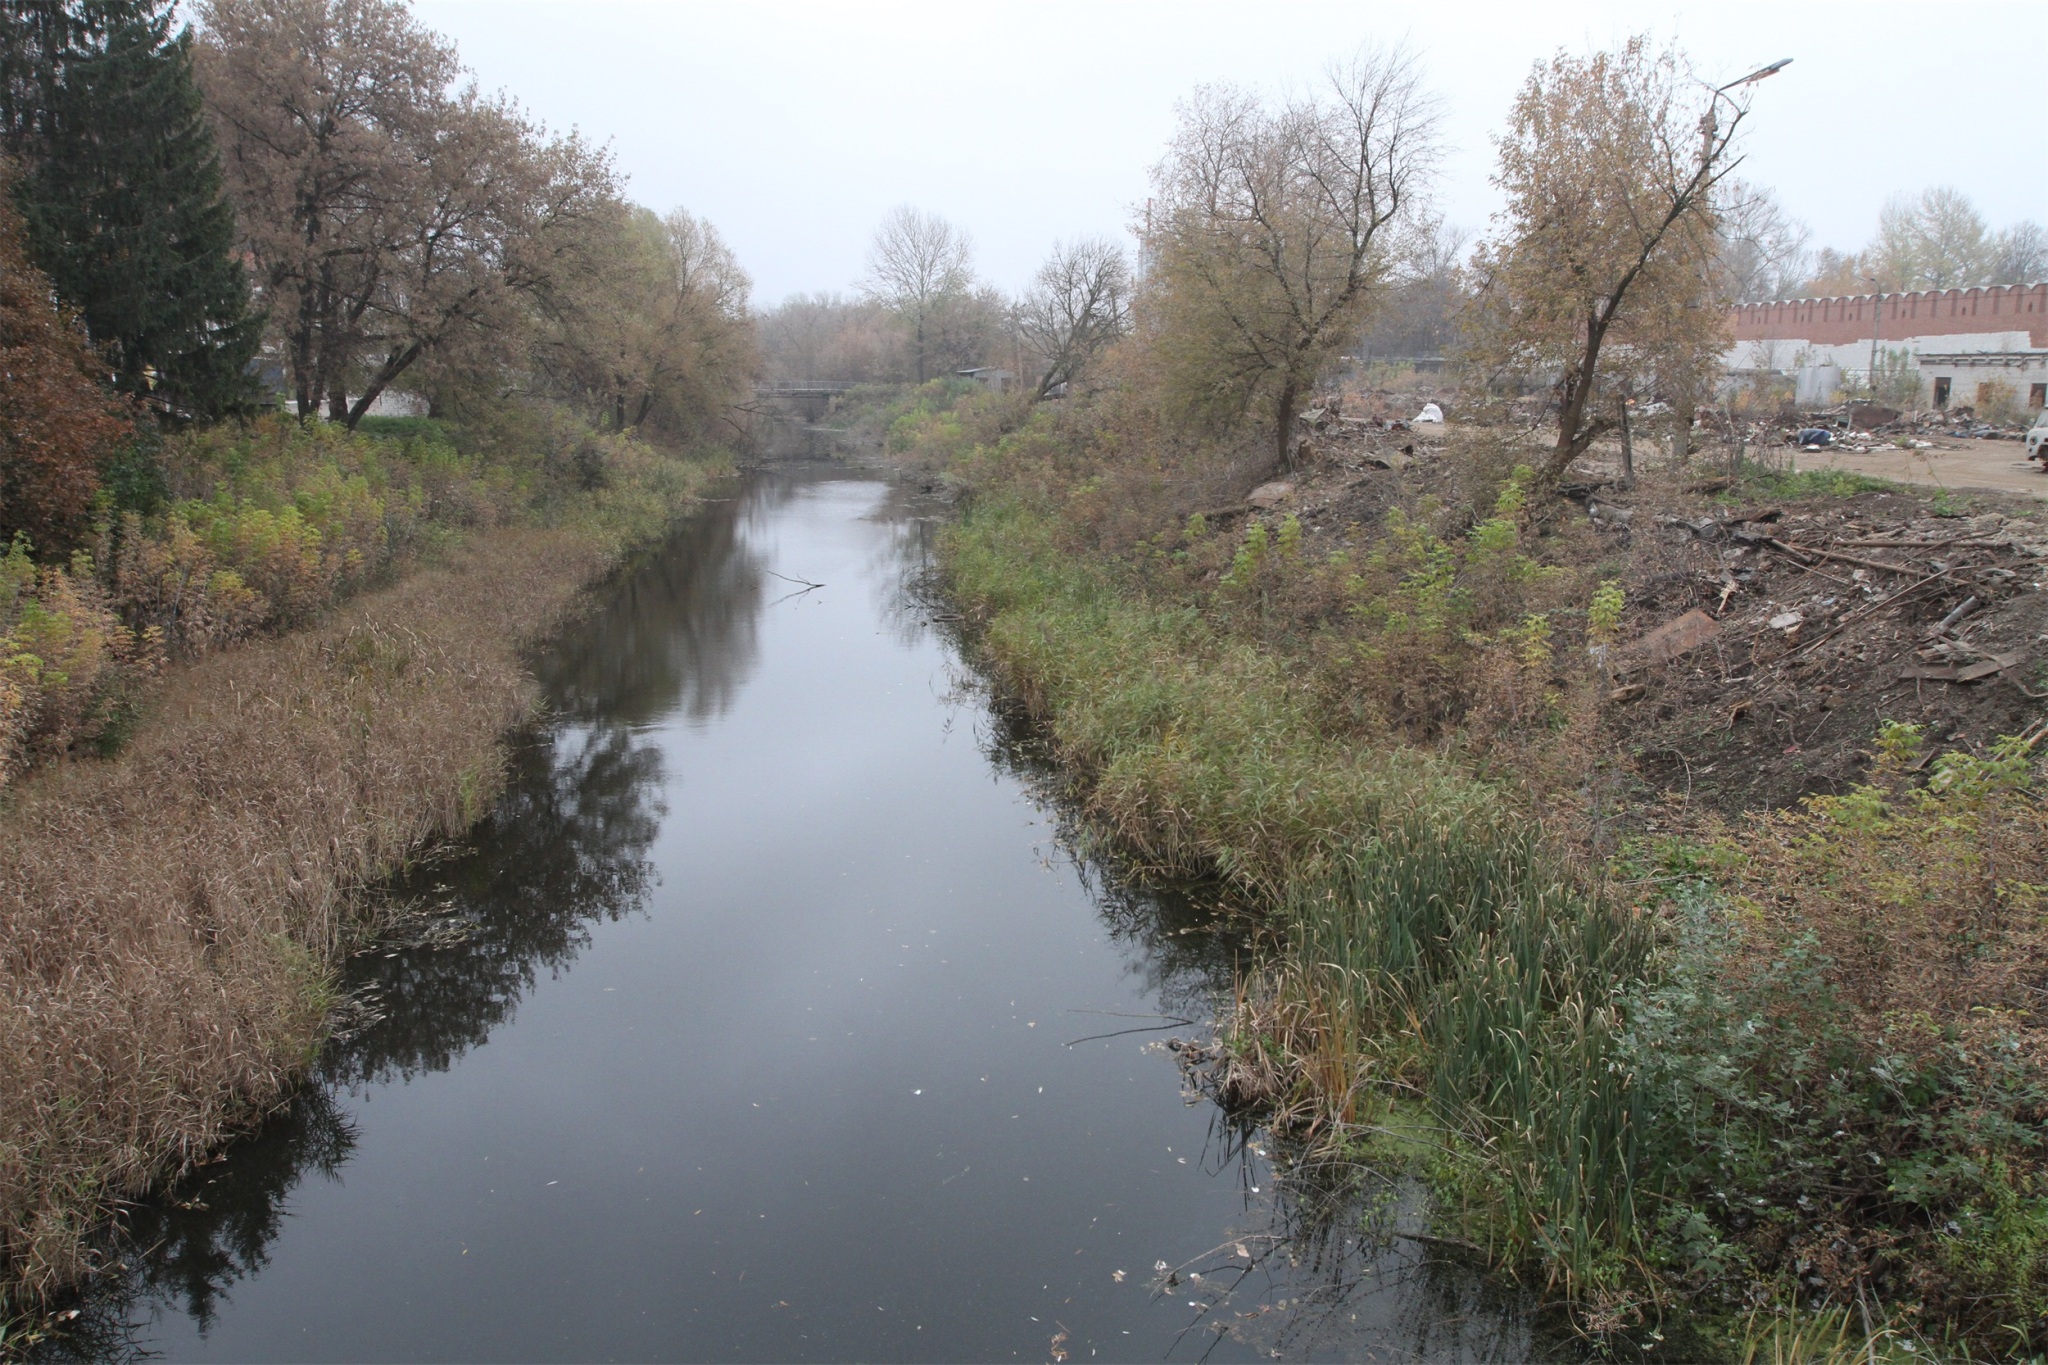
(1934, 313)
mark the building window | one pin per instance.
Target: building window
(1941, 392)
(2037, 395)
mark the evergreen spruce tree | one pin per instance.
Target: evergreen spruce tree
(34, 36)
(125, 203)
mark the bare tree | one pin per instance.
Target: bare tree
(826, 336)
(2019, 255)
(918, 264)
(1271, 231)
(1079, 304)
(1933, 240)
(1762, 250)
(1599, 278)
(1418, 313)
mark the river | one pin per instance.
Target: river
(770, 1018)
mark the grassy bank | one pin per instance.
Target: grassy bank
(1432, 945)
(243, 530)
(1748, 1074)
(172, 912)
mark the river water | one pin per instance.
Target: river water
(764, 1021)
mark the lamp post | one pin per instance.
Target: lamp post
(1709, 123)
(1709, 126)
(1876, 322)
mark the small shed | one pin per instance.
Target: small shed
(989, 377)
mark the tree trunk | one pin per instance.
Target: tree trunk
(305, 383)
(1681, 431)
(394, 365)
(1628, 448)
(1283, 422)
(1574, 431)
(302, 393)
(1045, 381)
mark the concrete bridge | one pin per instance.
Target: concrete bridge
(809, 396)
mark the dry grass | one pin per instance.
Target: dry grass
(167, 918)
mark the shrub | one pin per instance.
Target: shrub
(1844, 1048)
(56, 421)
(70, 671)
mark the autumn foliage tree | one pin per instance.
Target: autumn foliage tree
(1599, 277)
(57, 422)
(650, 328)
(920, 267)
(392, 211)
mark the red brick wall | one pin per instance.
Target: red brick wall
(1947, 312)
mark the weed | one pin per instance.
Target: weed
(1811, 483)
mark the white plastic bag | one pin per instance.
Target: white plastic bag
(1430, 413)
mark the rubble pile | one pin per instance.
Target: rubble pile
(1861, 428)
(1774, 640)
(1764, 645)
(1373, 439)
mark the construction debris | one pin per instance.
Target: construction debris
(1673, 638)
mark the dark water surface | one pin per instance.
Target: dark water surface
(746, 1031)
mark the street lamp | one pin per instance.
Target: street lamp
(1773, 69)
(1710, 124)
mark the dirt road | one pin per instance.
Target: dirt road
(1956, 463)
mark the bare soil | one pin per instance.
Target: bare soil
(1820, 615)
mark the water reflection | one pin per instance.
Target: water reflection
(566, 849)
(678, 632)
(185, 1252)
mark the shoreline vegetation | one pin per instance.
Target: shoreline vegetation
(175, 910)
(1764, 1078)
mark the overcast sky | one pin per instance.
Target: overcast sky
(795, 126)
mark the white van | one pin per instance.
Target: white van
(2037, 440)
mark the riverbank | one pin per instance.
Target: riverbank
(1672, 1004)
(173, 913)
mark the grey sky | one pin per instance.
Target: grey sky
(795, 126)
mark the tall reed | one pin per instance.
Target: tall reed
(1474, 971)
